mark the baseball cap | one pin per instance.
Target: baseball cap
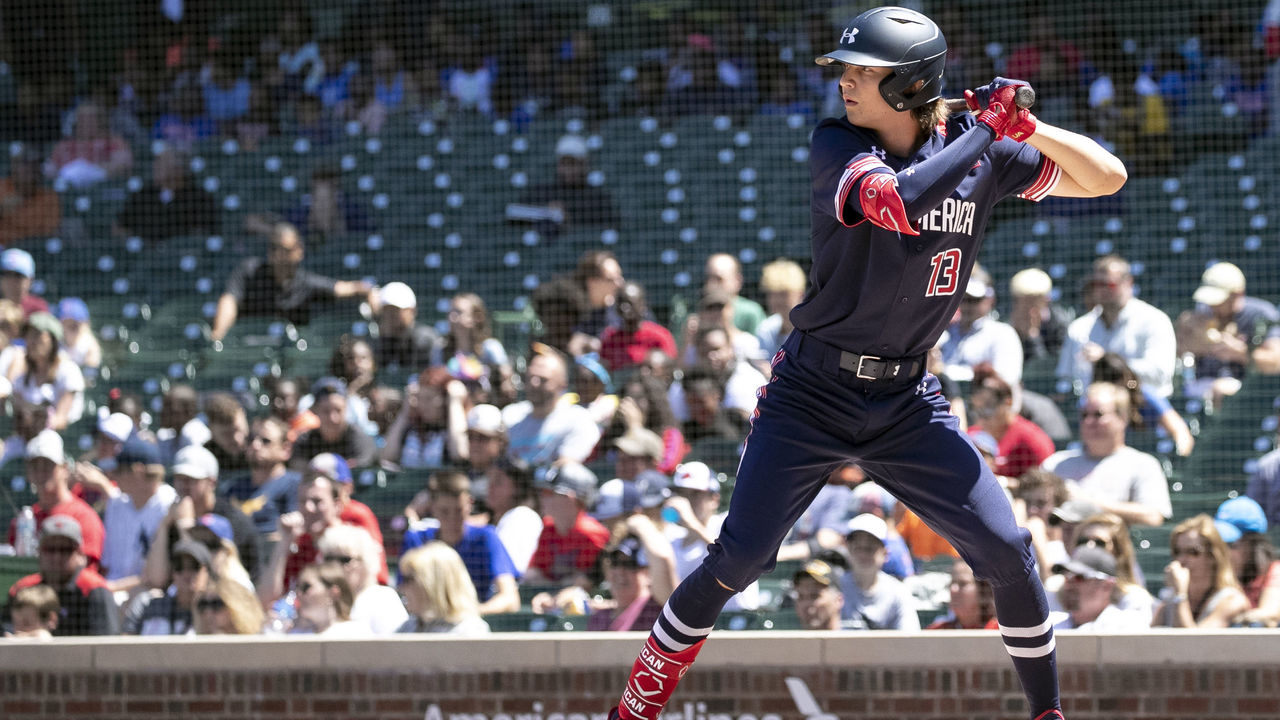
(977, 288)
(193, 550)
(46, 444)
(486, 419)
(870, 524)
(1032, 281)
(328, 385)
(868, 496)
(73, 308)
(46, 322)
(616, 497)
(1238, 516)
(137, 450)
(985, 441)
(19, 261)
(116, 426)
(62, 526)
(654, 488)
(1217, 283)
(194, 462)
(1073, 511)
(570, 479)
(591, 361)
(218, 524)
(1089, 561)
(629, 552)
(574, 146)
(397, 294)
(821, 572)
(640, 442)
(331, 466)
(696, 476)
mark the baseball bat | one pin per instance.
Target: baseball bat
(1024, 97)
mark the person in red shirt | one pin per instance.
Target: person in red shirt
(46, 466)
(350, 510)
(625, 345)
(571, 539)
(1021, 444)
(87, 606)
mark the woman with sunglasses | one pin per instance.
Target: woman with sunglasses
(226, 607)
(377, 607)
(439, 592)
(324, 603)
(1201, 590)
(1110, 532)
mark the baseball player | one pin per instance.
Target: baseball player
(900, 197)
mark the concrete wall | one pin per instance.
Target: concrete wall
(576, 676)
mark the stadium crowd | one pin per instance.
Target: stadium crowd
(583, 474)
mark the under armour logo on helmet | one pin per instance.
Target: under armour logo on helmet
(848, 34)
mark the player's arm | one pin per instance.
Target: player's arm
(1088, 170)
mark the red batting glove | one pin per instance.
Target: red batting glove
(1021, 125)
(995, 118)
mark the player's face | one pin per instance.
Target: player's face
(860, 88)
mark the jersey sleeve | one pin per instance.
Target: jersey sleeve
(1026, 172)
(840, 158)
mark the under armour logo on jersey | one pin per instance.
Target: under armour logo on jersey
(878, 152)
(923, 387)
(848, 35)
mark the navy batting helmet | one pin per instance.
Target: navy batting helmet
(897, 38)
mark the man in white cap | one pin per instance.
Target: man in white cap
(879, 599)
(195, 477)
(695, 497)
(87, 606)
(402, 343)
(49, 476)
(976, 336)
(581, 202)
(1040, 322)
(1227, 332)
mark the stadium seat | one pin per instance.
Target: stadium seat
(531, 622)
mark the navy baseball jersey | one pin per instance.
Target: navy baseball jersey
(882, 293)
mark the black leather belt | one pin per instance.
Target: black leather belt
(861, 366)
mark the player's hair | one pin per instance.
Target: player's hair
(1202, 525)
(782, 275)
(1036, 478)
(355, 541)
(448, 483)
(1119, 396)
(986, 377)
(222, 408)
(41, 598)
(931, 113)
(1121, 548)
(1112, 368)
(438, 571)
(330, 575)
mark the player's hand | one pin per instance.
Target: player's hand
(1000, 90)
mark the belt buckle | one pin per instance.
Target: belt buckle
(861, 359)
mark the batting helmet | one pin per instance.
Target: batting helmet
(898, 38)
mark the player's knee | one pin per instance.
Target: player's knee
(1003, 560)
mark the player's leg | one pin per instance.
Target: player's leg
(931, 466)
(782, 469)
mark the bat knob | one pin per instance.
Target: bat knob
(1024, 97)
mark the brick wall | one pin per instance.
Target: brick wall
(740, 676)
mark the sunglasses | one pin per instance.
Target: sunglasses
(211, 603)
(1092, 414)
(1190, 552)
(341, 559)
(1093, 542)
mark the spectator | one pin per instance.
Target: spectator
(285, 398)
(511, 509)
(560, 307)
(1146, 409)
(643, 404)
(431, 429)
(1109, 532)
(43, 373)
(376, 608)
(1121, 323)
(350, 510)
(388, 75)
(319, 508)
(1037, 495)
(171, 611)
(593, 387)
(11, 317)
(627, 572)
(168, 206)
(696, 501)
(17, 270)
(723, 273)
(708, 418)
(226, 607)
(226, 93)
(195, 477)
(180, 422)
(470, 351)
(325, 600)
(624, 346)
(47, 473)
(1105, 470)
(819, 602)
(352, 362)
(701, 81)
(868, 497)
(783, 284)
(109, 437)
(571, 539)
(571, 199)
(741, 379)
(334, 433)
(1021, 443)
(93, 153)
(715, 310)
(278, 286)
(87, 605)
(879, 599)
(1040, 322)
(438, 593)
(403, 345)
(1243, 527)
(134, 512)
(363, 111)
(1200, 588)
(28, 209)
(599, 276)
(185, 124)
(1088, 595)
(482, 551)
(271, 488)
(542, 430)
(28, 421)
(77, 335)
(972, 604)
(35, 612)
(1227, 333)
(228, 433)
(976, 336)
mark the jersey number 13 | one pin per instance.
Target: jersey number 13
(943, 280)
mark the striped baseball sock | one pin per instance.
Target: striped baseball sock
(676, 639)
(1023, 614)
